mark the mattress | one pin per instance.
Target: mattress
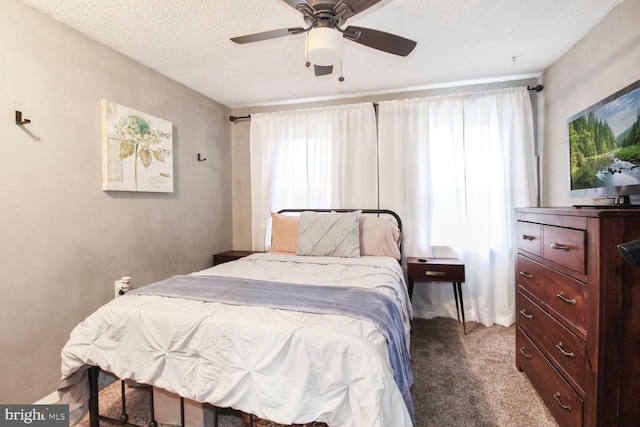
(279, 364)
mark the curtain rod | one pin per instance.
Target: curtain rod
(248, 116)
(236, 118)
(537, 88)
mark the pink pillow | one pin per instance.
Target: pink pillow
(379, 236)
(284, 233)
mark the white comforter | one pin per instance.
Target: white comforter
(285, 366)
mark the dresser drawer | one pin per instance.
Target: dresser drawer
(530, 237)
(563, 402)
(565, 246)
(565, 350)
(565, 296)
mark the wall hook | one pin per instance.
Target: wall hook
(19, 120)
(201, 159)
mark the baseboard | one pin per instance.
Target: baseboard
(49, 399)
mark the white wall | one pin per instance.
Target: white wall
(63, 241)
(604, 61)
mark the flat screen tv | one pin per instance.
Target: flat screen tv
(604, 148)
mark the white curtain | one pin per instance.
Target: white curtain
(314, 158)
(454, 168)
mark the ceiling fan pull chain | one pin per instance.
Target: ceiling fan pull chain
(306, 51)
(341, 79)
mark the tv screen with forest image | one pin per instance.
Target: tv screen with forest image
(604, 146)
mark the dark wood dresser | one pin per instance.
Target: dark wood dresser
(578, 313)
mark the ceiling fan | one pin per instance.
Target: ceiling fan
(324, 19)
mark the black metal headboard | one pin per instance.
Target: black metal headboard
(364, 211)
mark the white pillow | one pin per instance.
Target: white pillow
(329, 234)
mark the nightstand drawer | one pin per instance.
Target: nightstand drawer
(436, 270)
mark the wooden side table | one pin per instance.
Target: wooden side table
(439, 270)
(231, 256)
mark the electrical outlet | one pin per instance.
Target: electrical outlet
(121, 286)
(118, 285)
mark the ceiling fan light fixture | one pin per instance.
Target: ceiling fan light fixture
(324, 46)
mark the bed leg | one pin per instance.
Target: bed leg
(93, 397)
(153, 422)
(181, 411)
(124, 417)
(215, 416)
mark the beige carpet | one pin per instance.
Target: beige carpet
(470, 380)
(459, 381)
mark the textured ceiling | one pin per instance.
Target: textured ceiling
(459, 41)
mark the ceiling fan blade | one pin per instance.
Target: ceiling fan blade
(380, 40)
(266, 35)
(322, 70)
(358, 6)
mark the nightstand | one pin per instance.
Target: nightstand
(439, 270)
(231, 256)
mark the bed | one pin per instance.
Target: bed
(315, 330)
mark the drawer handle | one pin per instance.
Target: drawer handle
(527, 237)
(527, 275)
(559, 246)
(557, 398)
(524, 353)
(525, 314)
(435, 273)
(564, 353)
(565, 299)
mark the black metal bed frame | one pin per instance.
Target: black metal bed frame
(123, 420)
(365, 211)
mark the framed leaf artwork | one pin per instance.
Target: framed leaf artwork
(137, 150)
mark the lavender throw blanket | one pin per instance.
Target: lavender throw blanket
(354, 302)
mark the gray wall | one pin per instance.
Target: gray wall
(601, 63)
(63, 241)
